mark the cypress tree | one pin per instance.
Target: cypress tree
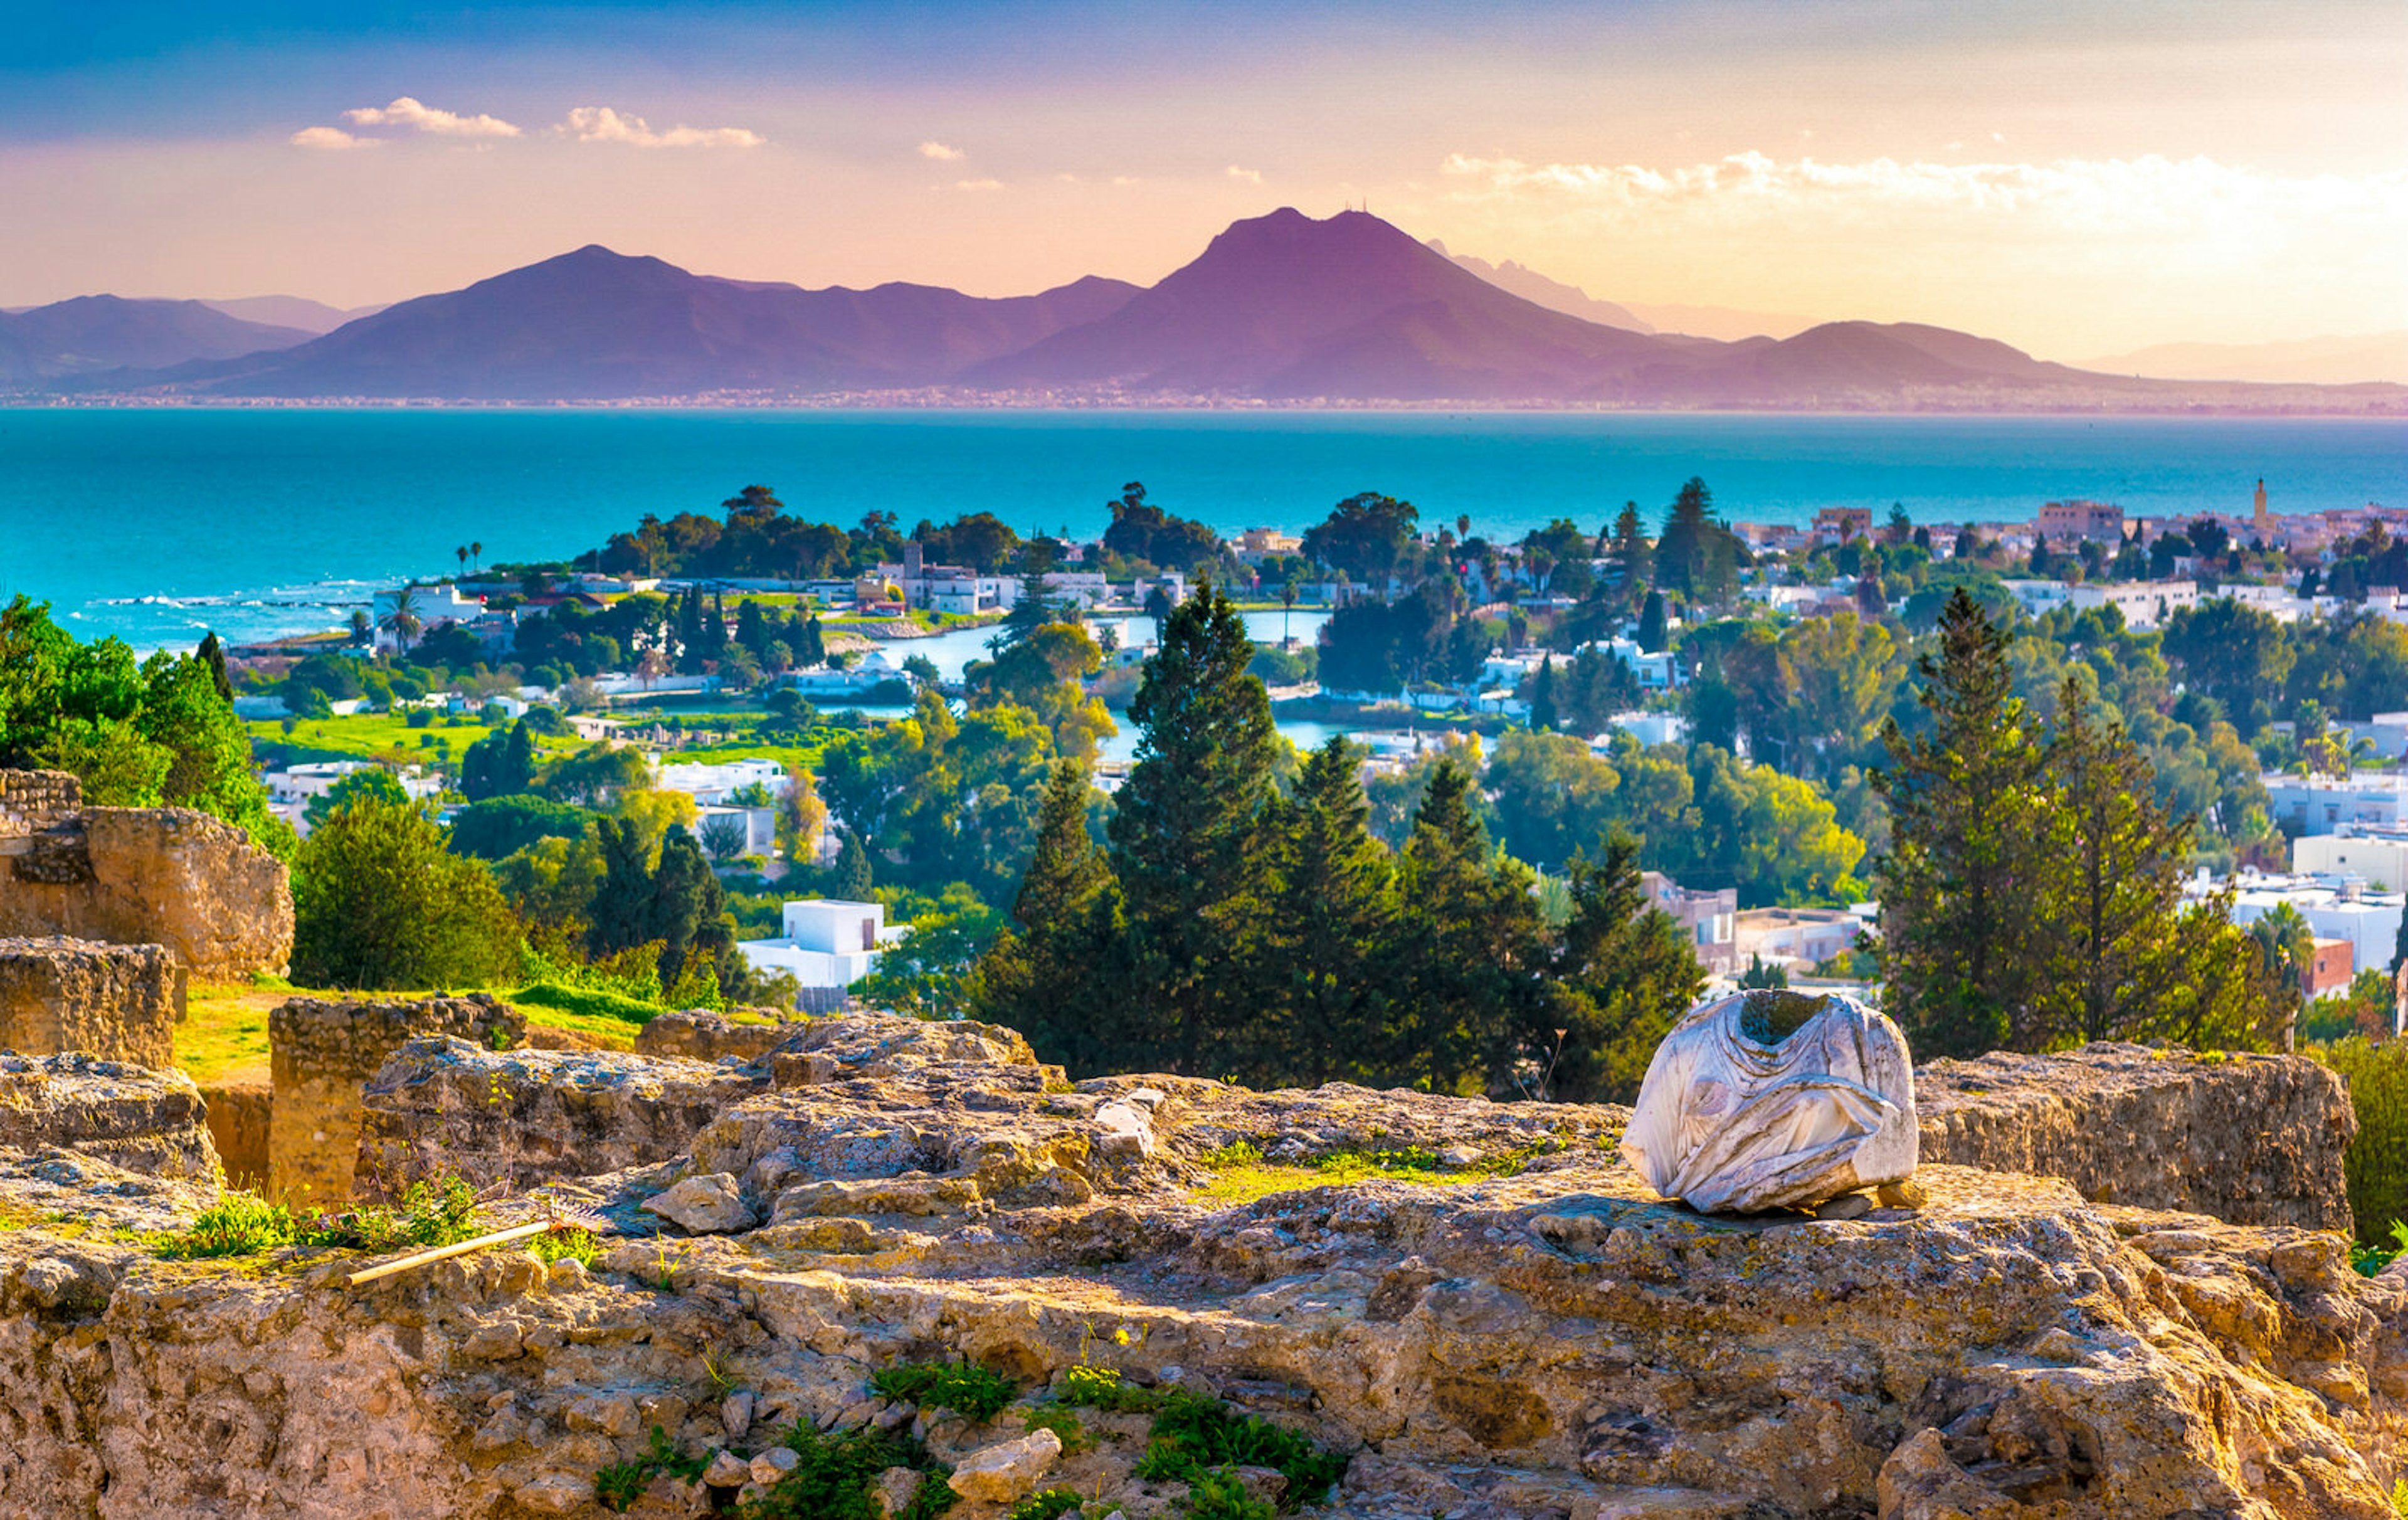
(1653, 633)
(1542, 697)
(1329, 922)
(686, 908)
(1185, 844)
(1956, 887)
(621, 913)
(854, 881)
(212, 655)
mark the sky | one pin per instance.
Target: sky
(2076, 178)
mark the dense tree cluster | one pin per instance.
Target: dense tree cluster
(2030, 895)
(1227, 926)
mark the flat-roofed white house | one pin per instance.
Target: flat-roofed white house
(828, 942)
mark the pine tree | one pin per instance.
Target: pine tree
(1329, 922)
(1622, 976)
(1964, 855)
(1653, 633)
(687, 908)
(1469, 944)
(1046, 975)
(1036, 607)
(1186, 841)
(1684, 551)
(1633, 560)
(1542, 697)
(2106, 906)
(621, 915)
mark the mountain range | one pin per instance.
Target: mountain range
(1279, 308)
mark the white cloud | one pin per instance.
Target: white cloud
(600, 124)
(407, 112)
(978, 184)
(1251, 177)
(334, 138)
(941, 153)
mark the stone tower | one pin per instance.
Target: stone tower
(2264, 519)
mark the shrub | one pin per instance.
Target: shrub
(1222, 1495)
(1100, 1388)
(378, 901)
(963, 1387)
(2377, 1163)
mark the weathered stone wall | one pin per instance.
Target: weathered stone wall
(167, 876)
(31, 801)
(239, 1127)
(321, 1055)
(119, 1002)
(146, 1122)
(698, 1034)
(2254, 1140)
(445, 1106)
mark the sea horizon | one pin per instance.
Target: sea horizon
(260, 521)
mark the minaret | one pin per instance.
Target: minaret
(2264, 520)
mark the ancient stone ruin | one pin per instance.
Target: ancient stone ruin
(166, 876)
(1475, 1309)
(117, 1002)
(322, 1055)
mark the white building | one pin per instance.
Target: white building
(1652, 727)
(2378, 860)
(292, 790)
(2334, 908)
(872, 670)
(826, 943)
(2322, 804)
(759, 826)
(715, 783)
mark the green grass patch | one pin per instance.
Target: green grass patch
(1049, 1504)
(237, 1225)
(965, 1388)
(589, 1003)
(1066, 1428)
(620, 1484)
(1195, 1440)
(1100, 1388)
(429, 1214)
(223, 1038)
(569, 1244)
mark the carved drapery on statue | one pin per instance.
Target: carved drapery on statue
(1769, 1098)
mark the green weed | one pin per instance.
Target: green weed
(1049, 1504)
(237, 1225)
(833, 1480)
(1192, 1436)
(1221, 1496)
(1064, 1425)
(620, 1484)
(574, 1245)
(1100, 1388)
(960, 1386)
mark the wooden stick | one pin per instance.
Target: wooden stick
(499, 1237)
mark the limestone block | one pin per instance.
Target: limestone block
(706, 1204)
(118, 1002)
(322, 1054)
(167, 876)
(1770, 1100)
(1008, 1471)
(443, 1105)
(2255, 1140)
(698, 1034)
(148, 1122)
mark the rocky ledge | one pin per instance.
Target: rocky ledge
(1471, 1310)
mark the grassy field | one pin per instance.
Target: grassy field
(223, 1038)
(368, 737)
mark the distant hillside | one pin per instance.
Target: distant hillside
(91, 333)
(1554, 295)
(2311, 360)
(598, 324)
(1726, 323)
(1283, 307)
(292, 311)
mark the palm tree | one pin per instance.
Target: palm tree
(461, 555)
(363, 630)
(476, 551)
(1463, 527)
(1288, 589)
(403, 621)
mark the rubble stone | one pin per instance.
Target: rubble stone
(704, 1205)
(118, 1002)
(700, 1034)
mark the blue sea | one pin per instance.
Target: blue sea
(159, 524)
